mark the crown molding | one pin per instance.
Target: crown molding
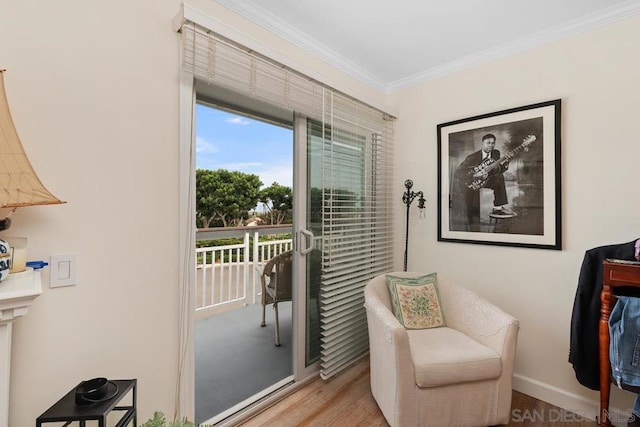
(586, 23)
(274, 24)
(269, 21)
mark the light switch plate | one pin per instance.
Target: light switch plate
(62, 270)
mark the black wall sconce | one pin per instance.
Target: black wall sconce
(407, 199)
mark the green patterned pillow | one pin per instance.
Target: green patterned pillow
(415, 301)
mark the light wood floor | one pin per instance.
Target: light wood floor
(347, 401)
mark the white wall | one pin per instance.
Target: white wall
(93, 91)
(595, 74)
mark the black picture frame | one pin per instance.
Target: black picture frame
(528, 141)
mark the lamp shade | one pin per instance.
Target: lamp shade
(19, 184)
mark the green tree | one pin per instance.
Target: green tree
(225, 196)
(278, 202)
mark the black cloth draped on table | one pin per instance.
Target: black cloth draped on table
(583, 350)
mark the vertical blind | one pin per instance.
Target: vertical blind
(356, 150)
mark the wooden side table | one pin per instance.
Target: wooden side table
(616, 275)
(66, 409)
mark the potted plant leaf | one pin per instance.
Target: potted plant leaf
(159, 420)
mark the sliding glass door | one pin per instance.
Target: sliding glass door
(342, 219)
(308, 254)
(340, 239)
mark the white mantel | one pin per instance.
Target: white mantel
(17, 292)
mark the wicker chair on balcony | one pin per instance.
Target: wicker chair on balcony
(276, 280)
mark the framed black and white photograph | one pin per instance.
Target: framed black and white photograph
(499, 178)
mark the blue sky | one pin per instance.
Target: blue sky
(234, 142)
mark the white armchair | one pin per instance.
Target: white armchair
(457, 375)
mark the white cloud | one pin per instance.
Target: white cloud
(281, 174)
(238, 121)
(245, 167)
(204, 146)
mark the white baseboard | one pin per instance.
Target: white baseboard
(574, 407)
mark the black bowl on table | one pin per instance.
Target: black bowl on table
(92, 390)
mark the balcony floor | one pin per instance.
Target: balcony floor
(235, 358)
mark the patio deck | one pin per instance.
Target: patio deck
(235, 358)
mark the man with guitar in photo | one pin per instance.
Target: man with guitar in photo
(484, 169)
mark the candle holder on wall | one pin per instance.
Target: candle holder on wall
(408, 198)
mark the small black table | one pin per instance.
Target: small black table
(67, 410)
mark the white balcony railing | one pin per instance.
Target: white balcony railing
(228, 276)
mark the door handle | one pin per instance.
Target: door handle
(309, 237)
